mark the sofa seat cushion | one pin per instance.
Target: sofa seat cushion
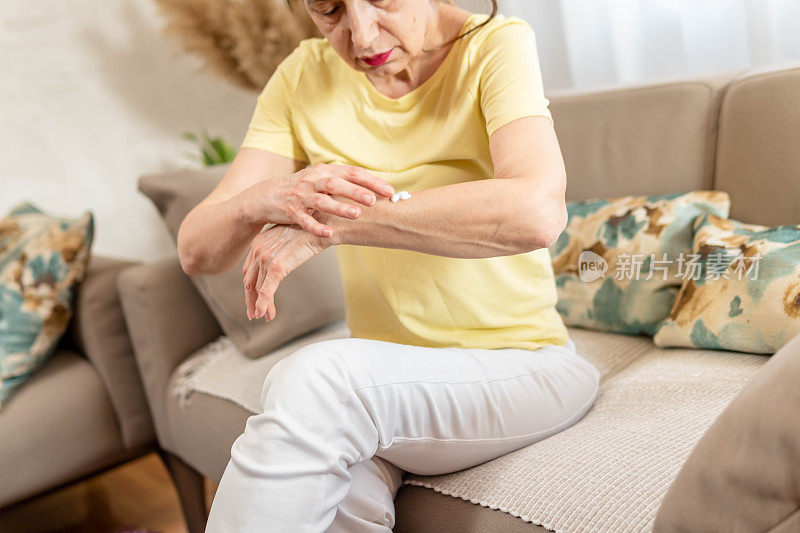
(204, 430)
(607, 472)
(58, 426)
(214, 390)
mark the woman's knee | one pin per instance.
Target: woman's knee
(570, 381)
(313, 391)
(588, 383)
(315, 369)
(593, 378)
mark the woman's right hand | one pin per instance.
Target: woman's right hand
(293, 199)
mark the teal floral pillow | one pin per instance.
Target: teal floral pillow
(743, 292)
(42, 258)
(617, 262)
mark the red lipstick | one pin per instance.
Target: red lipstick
(377, 60)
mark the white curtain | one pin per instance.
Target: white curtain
(589, 43)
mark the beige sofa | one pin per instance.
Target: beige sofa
(85, 411)
(733, 131)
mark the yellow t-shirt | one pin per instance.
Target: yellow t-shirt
(316, 108)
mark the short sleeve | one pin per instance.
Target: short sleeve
(271, 126)
(510, 85)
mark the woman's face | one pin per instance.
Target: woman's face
(360, 29)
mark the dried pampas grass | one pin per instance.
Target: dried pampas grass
(242, 40)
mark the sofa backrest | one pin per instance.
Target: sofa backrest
(758, 155)
(642, 139)
(737, 131)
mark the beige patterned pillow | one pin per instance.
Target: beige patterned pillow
(744, 293)
(616, 262)
(42, 259)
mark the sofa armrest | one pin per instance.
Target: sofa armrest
(742, 475)
(168, 321)
(98, 330)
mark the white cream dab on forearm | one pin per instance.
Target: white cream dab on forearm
(401, 195)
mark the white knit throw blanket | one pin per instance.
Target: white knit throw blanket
(220, 369)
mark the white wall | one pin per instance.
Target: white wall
(91, 97)
(595, 44)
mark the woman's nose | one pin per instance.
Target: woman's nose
(363, 29)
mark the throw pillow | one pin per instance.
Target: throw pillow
(616, 262)
(42, 259)
(744, 292)
(310, 297)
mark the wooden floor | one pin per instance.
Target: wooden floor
(137, 495)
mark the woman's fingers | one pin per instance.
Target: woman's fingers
(281, 199)
(270, 264)
(251, 289)
(266, 234)
(295, 249)
(365, 178)
(248, 259)
(328, 204)
(265, 306)
(311, 189)
(311, 224)
(352, 182)
(264, 245)
(272, 273)
(262, 275)
(336, 186)
(275, 252)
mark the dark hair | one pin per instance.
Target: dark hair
(491, 16)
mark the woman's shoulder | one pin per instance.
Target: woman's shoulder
(497, 30)
(310, 59)
(314, 48)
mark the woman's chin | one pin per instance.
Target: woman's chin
(390, 68)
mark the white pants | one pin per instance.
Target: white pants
(344, 419)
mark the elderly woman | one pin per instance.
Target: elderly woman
(457, 354)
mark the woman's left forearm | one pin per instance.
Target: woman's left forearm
(473, 219)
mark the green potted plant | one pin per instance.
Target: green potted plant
(213, 150)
